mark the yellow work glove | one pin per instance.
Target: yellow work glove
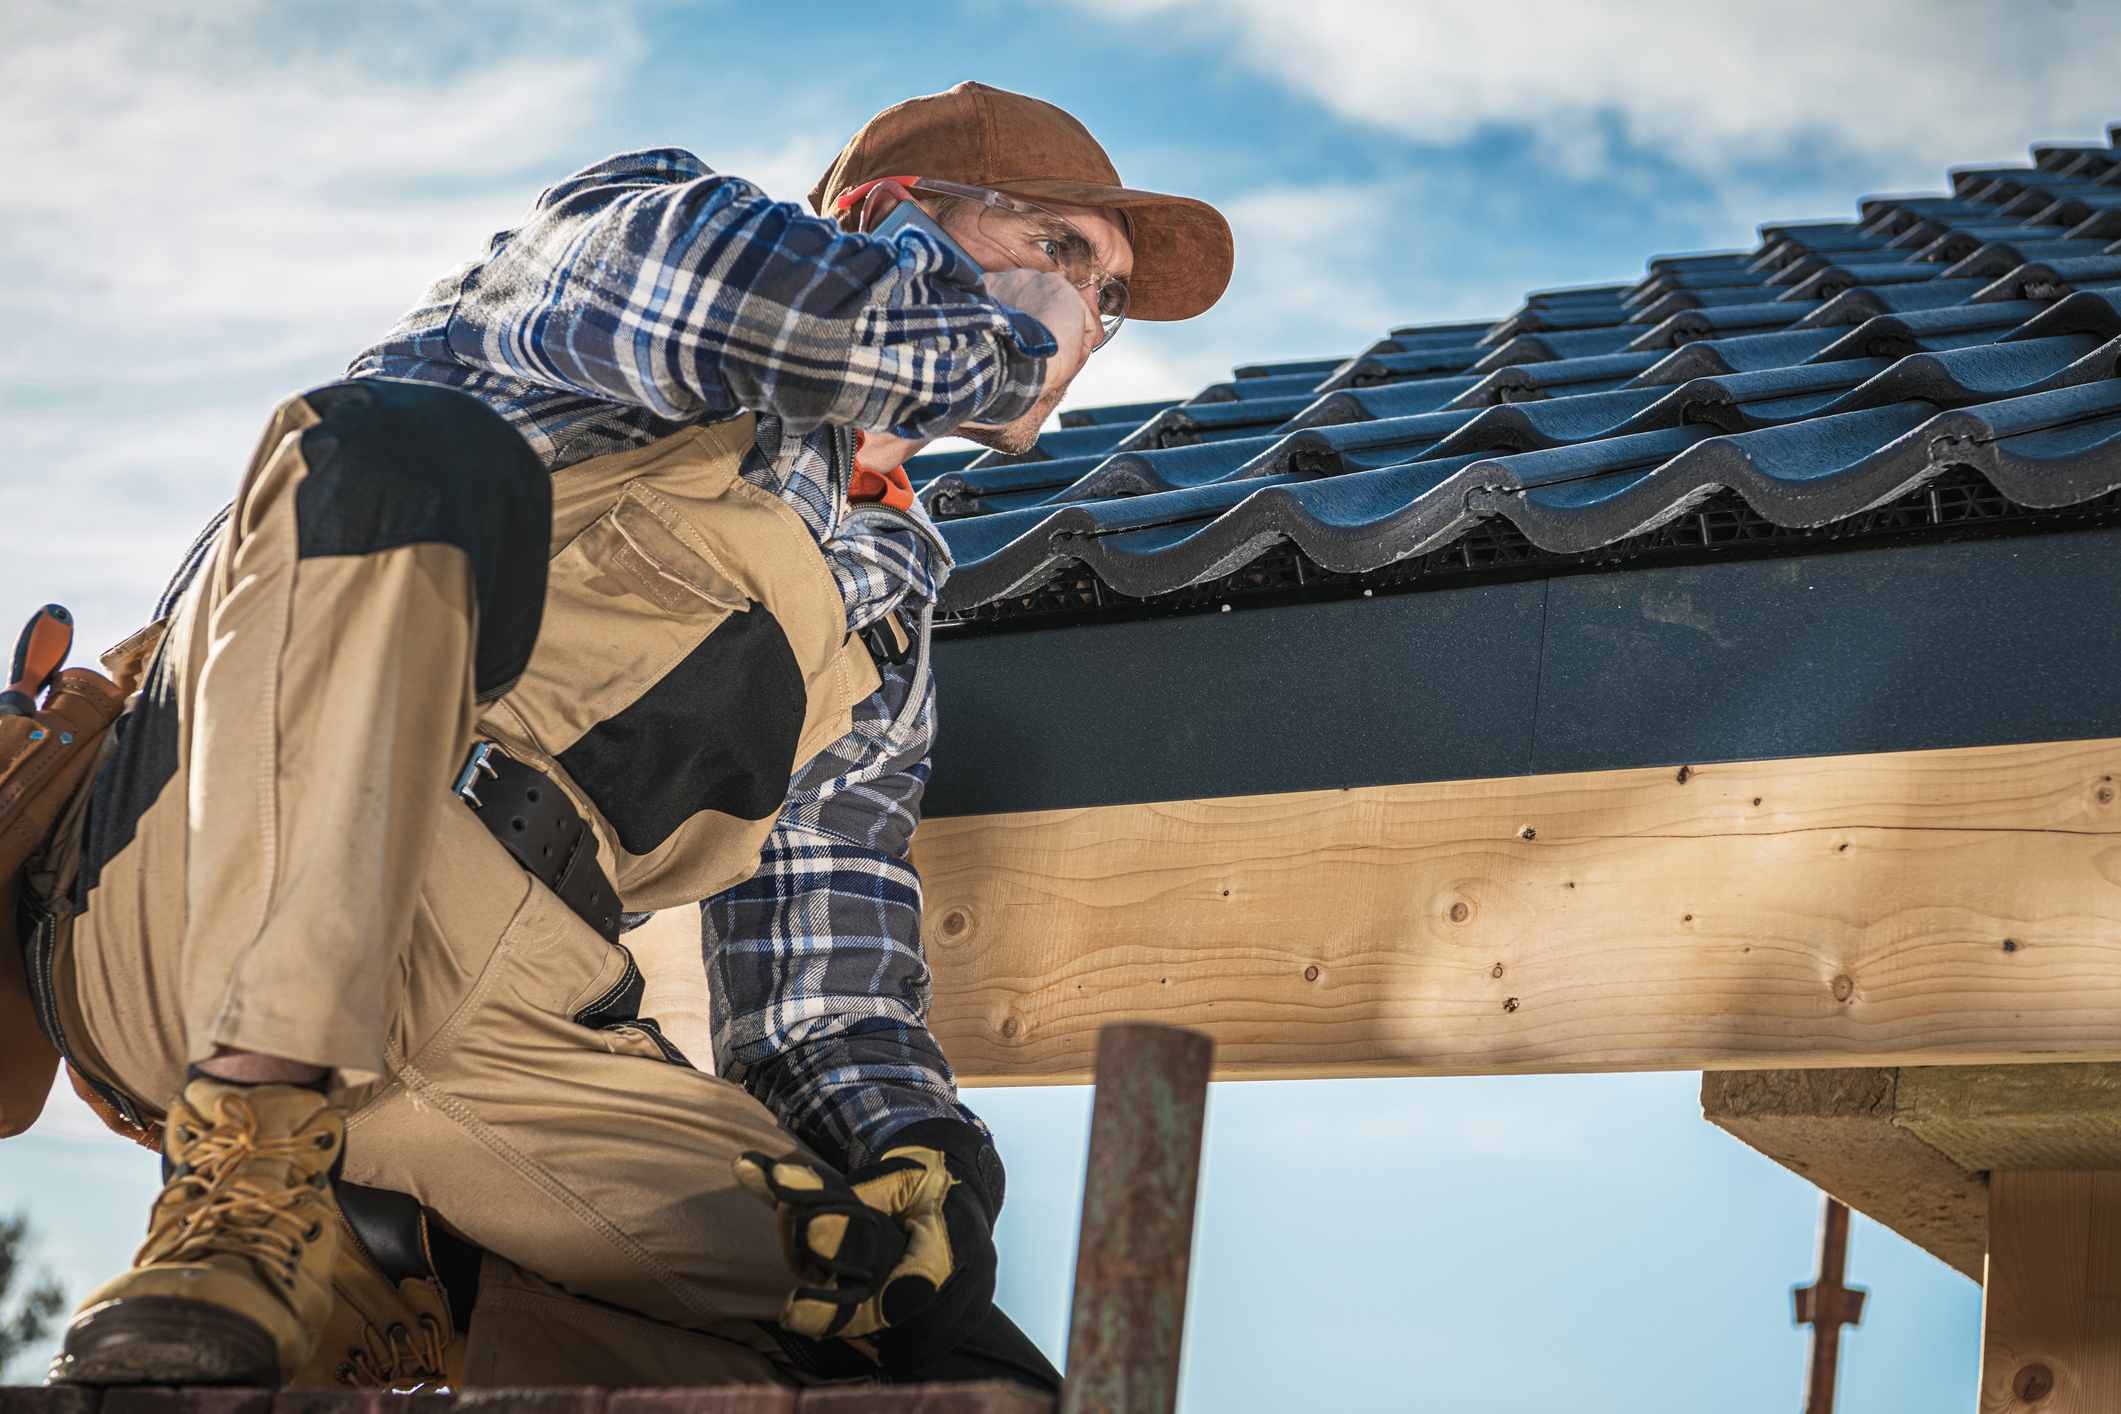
(897, 1257)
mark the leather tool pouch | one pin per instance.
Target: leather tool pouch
(43, 759)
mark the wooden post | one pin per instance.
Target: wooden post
(1129, 1313)
(2051, 1315)
(1827, 1305)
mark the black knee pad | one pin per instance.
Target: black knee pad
(394, 463)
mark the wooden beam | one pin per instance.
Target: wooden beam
(2051, 1315)
(667, 950)
(2017, 1116)
(1933, 907)
(1835, 1128)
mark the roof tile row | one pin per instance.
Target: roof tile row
(1835, 367)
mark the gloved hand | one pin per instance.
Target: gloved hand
(896, 1258)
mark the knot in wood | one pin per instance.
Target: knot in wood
(1459, 912)
(1844, 987)
(1311, 973)
(1527, 833)
(955, 922)
(2033, 1382)
(1509, 1004)
(1010, 1026)
(1686, 774)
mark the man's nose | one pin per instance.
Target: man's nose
(1097, 323)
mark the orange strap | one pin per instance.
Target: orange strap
(849, 198)
(891, 487)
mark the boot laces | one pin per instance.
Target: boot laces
(400, 1358)
(230, 1210)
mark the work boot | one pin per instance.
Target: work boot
(234, 1281)
(384, 1334)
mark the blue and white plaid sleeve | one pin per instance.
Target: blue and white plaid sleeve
(820, 988)
(650, 281)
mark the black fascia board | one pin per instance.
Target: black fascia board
(1941, 644)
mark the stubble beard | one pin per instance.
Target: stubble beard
(1015, 438)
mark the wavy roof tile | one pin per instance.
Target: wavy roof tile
(1968, 344)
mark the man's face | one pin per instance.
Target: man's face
(1108, 242)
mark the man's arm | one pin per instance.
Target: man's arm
(820, 986)
(651, 281)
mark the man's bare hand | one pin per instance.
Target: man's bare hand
(1058, 305)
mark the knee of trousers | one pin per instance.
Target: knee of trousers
(392, 463)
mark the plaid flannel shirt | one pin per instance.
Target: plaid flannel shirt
(644, 295)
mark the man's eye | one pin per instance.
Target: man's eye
(1049, 248)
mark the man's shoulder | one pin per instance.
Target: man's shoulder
(652, 166)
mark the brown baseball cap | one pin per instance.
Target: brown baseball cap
(988, 137)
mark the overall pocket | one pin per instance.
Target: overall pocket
(625, 602)
(661, 692)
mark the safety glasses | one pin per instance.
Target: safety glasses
(1034, 236)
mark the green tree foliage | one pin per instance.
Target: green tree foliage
(34, 1307)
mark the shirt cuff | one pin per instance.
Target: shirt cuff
(1031, 336)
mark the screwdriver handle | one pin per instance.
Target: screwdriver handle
(39, 653)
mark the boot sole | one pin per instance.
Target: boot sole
(166, 1340)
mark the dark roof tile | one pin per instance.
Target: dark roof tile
(1386, 400)
(1927, 331)
(1673, 301)
(1547, 423)
(2050, 280)
(1722, 322)
(1525, 382)
(1743, 402)
(1853, 306)
(1400, 367)
(1530, 320)
(1203, 422)
(1318, 366)
(1747, 353)
(1410, 337)
(1131, 414)
(1538, 348)
(1239, 389)
(1054, 446)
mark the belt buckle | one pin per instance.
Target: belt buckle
(879, 640)
(468, 778)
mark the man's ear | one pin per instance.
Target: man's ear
(883, 199)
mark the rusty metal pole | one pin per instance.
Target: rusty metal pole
(1128, 1319)
(1826, 1306)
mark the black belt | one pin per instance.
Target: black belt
(529, 813)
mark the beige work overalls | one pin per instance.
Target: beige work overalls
(305, 885)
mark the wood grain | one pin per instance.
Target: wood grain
(1836, 1129)
(2050, 1329)
(1910, 908)
(667, 950)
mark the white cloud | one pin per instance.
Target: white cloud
(201, 212)
(1891, 83)
(155, 212)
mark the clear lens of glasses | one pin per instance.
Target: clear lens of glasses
(1040, 239)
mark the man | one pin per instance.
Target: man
(325, 974)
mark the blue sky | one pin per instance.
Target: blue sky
(205, 207)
